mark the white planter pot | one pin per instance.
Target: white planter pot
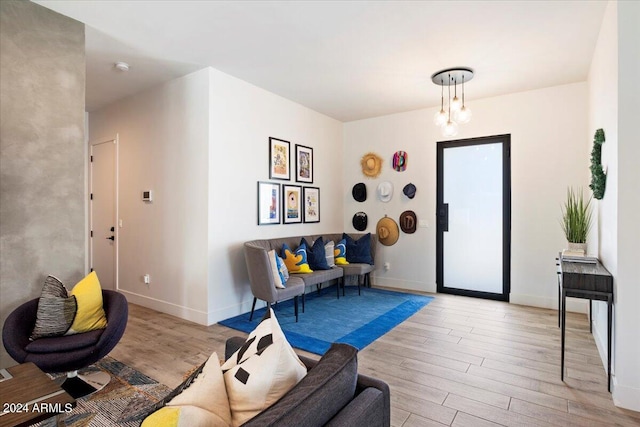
(578, 247)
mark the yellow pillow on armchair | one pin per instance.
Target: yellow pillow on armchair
(90, 314)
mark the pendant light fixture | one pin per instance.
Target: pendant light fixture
(457, 111)
(440, 119)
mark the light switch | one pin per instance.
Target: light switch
(423, 223)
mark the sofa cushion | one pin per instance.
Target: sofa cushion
(282, 269)
(330, 256)
(275, 273)
(326, 389)
(207, 392)
(183, 416)
(315, 254)
(340, 252)
(56, 310)
(263, 370)
(359, 250)
(296, 261)
(90, 315)
(64, 343)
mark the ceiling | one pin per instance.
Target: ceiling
(347, 59)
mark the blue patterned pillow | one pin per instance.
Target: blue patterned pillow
(359, 251)
(282, 270)
(296, 261)
(316, 254)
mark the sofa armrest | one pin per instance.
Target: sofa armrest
(365, 383)
(367, 409)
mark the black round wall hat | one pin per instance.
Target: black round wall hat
(359, 221)
(409, 190)
(359, 192)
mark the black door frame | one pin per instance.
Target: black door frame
(442, 216)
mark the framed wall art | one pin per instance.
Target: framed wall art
(291, 204)
(268, 203)
(311, 210)
(304, 164)
(279, 159)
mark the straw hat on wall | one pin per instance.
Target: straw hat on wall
(371, 165)
(387, 230)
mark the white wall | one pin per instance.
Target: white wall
(201, 143)
(603, 113)
(614, 106)
(163, 146)
(548, 134)
(242, 118)
(627, 315)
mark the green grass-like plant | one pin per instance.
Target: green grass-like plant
(576, 217)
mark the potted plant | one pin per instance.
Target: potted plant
(576, 220)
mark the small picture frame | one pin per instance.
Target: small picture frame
(304, 164)
(279, 159)
(311, 197)
(268, 203)
(291, 204)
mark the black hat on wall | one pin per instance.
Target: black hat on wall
(359, 221)
(409, 190)
(359, 192)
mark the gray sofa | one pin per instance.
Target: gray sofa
(259, 267)
(332, 394)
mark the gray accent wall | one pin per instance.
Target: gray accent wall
(42, 151)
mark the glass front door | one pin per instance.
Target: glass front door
(474, 217)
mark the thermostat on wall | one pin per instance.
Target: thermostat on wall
(147, 196)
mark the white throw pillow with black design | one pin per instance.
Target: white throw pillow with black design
(263, 370)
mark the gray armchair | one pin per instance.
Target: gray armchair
(262, 285)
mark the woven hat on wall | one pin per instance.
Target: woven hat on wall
(400, 161)
(359, 192)
(387, 230)
(371, 165)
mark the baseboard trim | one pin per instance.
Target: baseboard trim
(625, 397)
(402, 284)
(224, 313)
(574, 305)
(180, 311)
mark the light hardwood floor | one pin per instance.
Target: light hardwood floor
(459, 361)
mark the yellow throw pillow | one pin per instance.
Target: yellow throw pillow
(183, 416)
(90, 315)
(296, 262)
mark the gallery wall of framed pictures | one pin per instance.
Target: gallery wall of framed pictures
(288, 203)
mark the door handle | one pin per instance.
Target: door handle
(112, 238)
(443, 217)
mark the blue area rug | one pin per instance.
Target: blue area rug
(352, 319)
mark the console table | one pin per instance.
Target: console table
(588, 281)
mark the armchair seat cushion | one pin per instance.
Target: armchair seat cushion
(64, 343)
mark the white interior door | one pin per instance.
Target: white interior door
(474, 233)
(103, 212)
